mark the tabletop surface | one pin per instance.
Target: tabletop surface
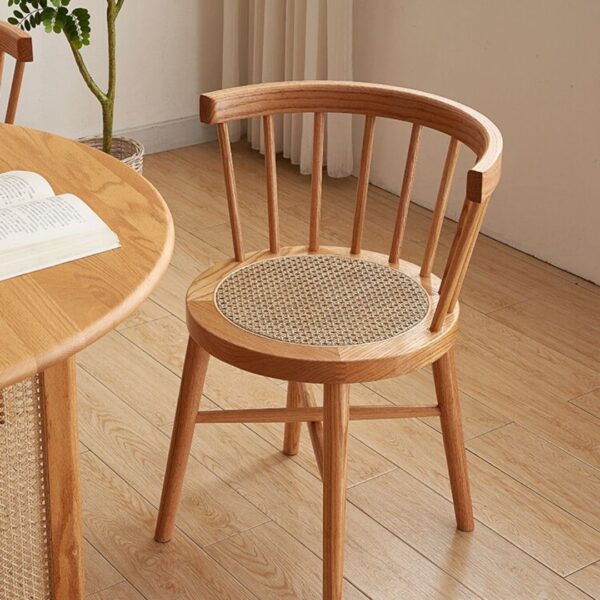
(51, 314)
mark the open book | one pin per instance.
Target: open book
(39, 229)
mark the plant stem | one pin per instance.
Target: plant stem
(87, 77)
(107, 100)
(112, 10)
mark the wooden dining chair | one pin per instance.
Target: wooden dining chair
(335, 315)
(17, 44)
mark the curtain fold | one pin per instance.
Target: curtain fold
(292, 40)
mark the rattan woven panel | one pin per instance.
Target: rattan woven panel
(24, 563)
(322, 300)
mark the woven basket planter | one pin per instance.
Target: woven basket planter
(129, 151)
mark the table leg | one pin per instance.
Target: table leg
(61, 449)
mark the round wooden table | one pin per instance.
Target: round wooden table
(46, 317)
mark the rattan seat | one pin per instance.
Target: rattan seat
(322, 300)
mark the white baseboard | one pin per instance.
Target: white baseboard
(175, 133)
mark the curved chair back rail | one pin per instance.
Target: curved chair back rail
(15, 43)
(461, 123)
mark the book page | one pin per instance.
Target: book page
(48, 218)
(17, 187)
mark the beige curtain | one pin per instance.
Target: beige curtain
(283, 40)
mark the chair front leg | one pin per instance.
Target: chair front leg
(336, 413)
(444, 374)
(192, 383)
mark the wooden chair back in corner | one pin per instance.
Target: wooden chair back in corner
(17, 44)
(461, 123)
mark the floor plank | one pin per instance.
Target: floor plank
(119, 522)
(273, 565)
(99, 573)
(532, 523)
(121, 591)
(137, 452)
(483, 560)
(545, 468)
(588, 580)
(377, 562)
(571, 322)
(589, 402)
(148, 311)
(136, 378)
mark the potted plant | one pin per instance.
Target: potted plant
(58, 17)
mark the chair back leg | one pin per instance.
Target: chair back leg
(336, 414)
(291, 436)
(444, 374)
(192, 383)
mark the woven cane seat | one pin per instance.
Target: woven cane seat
(322, 300)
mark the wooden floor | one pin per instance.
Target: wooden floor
(250, 523)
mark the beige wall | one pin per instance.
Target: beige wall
(166, 57)
(534, 68)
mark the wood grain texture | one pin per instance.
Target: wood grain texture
(292, 430)
(53, 313)
(230, 186)
(405, 193)
(119, 523)
(437, 219)
(274, 565)
(99, 573)
(446, 386)
(271, 172)
(192, 383)
(545, 468)
(336, 413)
(447, 116)
(362, 189)
(137, 451)
(16, 42)
(588, 580)
(589, 402)
(486, 562)
(59, 417)
(316, 182)
(541, 529)
(120, 591)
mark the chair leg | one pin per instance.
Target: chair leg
(336, 412)
(444, 374)
(291, 435)
(192, 382)
(315, 428)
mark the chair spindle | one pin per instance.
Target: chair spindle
(405, 194)
(440, 207)
(271, 169)
(230, 187)
(457, 261)
(317, 182)
(15, 90)
(362, 189)
(463, 272)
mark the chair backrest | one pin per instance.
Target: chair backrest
(17, 44)
(460, 123)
